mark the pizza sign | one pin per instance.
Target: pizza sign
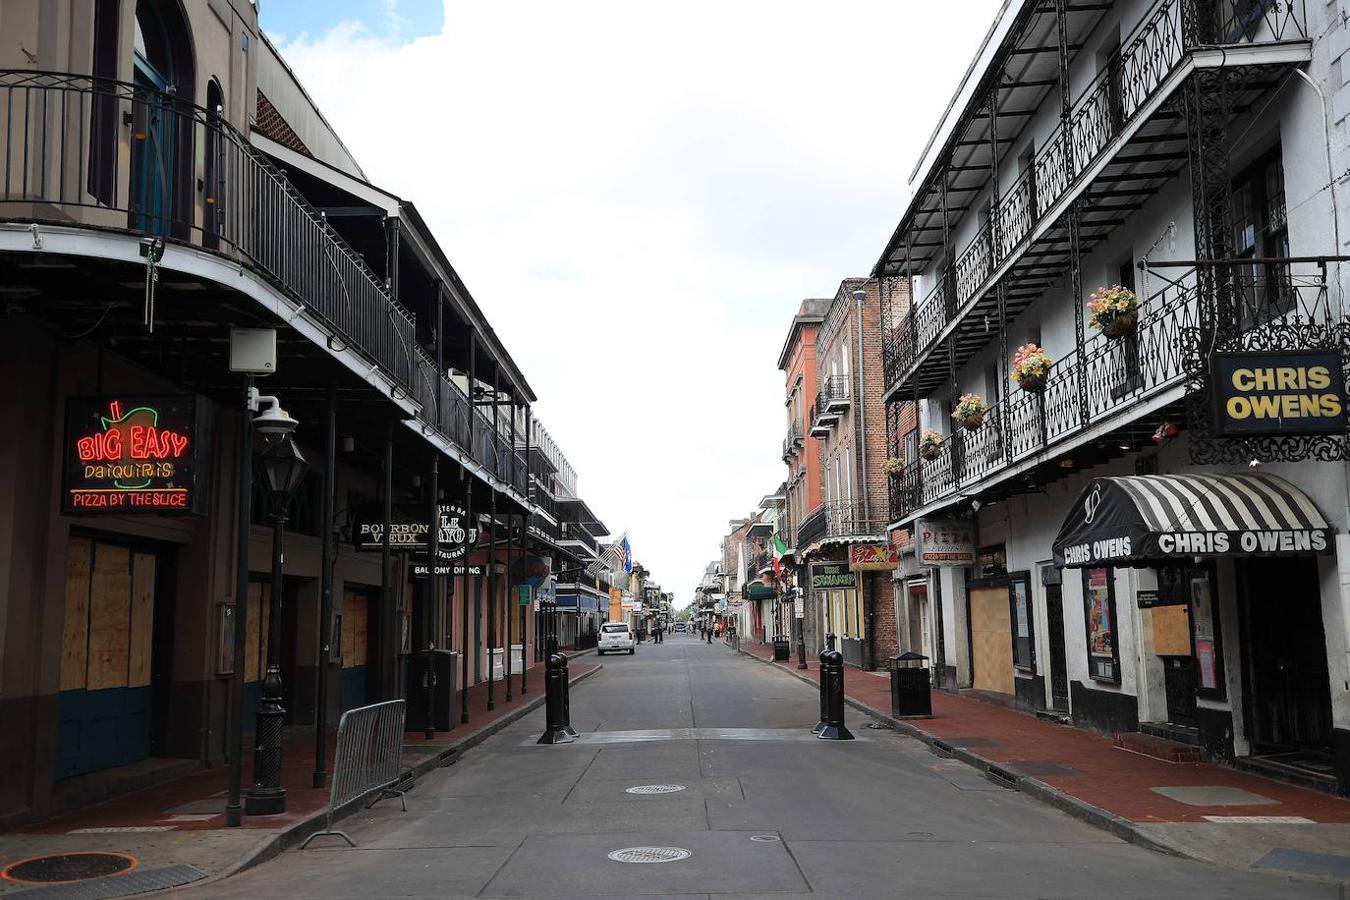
(130, 454)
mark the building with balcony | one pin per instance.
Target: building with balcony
(848, 423)
(1148, 194)
(167, 181)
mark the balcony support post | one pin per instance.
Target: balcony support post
(948, 295)
(994, 251)
(1065, 97)
(389, 636)
(1004, 374)
(1079, 327)
(524, 535)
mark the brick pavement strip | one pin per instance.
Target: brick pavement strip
(122, 824)
(1099, 783)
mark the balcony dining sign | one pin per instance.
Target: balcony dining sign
(130, 454)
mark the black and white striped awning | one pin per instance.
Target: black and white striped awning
(1143, 519)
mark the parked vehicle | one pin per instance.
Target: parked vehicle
(616, 637)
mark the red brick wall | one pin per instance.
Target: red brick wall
(273, 125)
(883, 600)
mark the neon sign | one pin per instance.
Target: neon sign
(130, 454)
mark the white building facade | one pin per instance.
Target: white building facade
(1158, 530)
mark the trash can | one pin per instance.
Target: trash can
(782, 649)
(911, 687)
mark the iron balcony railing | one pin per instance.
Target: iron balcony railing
(1110, 379)
(571, 531)
(1108, 106)
(840, 519)
(79, 150)
(833, 393)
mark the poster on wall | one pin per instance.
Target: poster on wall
(1202, 619)
(1101, 639)
(130, 454)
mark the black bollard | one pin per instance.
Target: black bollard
(832, 678)
(567, 697)
(554, 679)
(824, 702)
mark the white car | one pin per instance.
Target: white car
(616, 636)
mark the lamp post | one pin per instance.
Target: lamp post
(284, 467)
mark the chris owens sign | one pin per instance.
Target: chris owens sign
(129, 454)
(1297, 392)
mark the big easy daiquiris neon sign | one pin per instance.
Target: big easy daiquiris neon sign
(128, 454)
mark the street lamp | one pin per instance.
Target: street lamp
(284, 467)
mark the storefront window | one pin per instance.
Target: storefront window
(1100, 616)
(1024, 645)
(1204, 622)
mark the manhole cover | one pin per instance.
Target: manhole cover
(654, 789)
(650, 854)
(61, 867)
(765, 838)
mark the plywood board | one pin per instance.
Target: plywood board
(360, 628)
(1171, 631)
(991, 639)
(142, 619)
(255, 644)
(109, 617)
(348, 629)
(75, 639)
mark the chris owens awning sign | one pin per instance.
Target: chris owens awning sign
(130, 454)
(1297, 392)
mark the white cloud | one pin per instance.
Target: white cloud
(639, 197)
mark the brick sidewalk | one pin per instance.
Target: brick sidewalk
(182, 820)
(1094, 771)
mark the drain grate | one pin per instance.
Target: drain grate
(650, 854)
(66, 867)
(765, 838)
(141, 881)
(654, 789)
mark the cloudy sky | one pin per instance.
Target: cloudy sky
(639, 195)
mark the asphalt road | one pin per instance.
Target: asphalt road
(765, 810)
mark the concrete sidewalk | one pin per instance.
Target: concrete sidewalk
(181, 822)
(1198, 810)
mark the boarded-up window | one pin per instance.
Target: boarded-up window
(255, 644)
(355, 628)
(109, 617)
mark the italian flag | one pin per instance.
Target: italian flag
(779, 548)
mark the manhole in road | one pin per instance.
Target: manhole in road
(650, 854)
(66, 867)
(765, 838)
(654, 789)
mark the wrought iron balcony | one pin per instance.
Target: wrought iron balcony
(841, 519)
(67, 161)
(1105, 382)
(571, 531)
(792, 444)
(831, 401)
(1125, 92)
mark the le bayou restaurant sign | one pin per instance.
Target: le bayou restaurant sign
(130, 454)
(409, 530)
(1278, 393)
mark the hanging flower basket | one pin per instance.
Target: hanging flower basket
(1114, 311)
(893, 466)
(930, 445)
(1031, 368)
(969, 411)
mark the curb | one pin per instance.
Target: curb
(1000, 774)
(274, 845)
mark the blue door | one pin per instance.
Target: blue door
(104, 708)
(154, 133)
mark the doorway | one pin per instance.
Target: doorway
(111, 657)
(162, 128)
(1289, 704)
(990, 639)
(1059, 668)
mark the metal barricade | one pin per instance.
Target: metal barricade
(368, 760)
